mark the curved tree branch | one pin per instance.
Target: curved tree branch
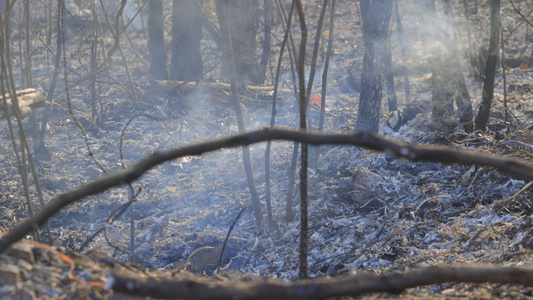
(364, 139)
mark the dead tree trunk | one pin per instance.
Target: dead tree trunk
(187, 62)
(156, 42)
(461, 95)
(403, 48)
(265, 55)
(448, 81)
(490, 70)
(376, 16)
(241, 17)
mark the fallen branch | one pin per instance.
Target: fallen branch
(184, 87)
(27, 99)
(360, 138)
(356, 285)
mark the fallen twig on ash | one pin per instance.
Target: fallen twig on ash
(364, 139)
(354, 285)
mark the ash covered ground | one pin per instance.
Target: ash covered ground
(368, 211)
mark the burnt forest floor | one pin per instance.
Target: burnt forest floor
(368, 212)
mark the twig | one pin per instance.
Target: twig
(116, 31)
(117, 248)
(316, 46)
(519, 12)
(228, 235)
(290, 49)
(75, 119)
(121, 153)
(90, 239)
(225, 28)
(116, 213)
(329, 54)
(272, 123)
(7, 79)
(120, 210)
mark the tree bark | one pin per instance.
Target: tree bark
(156, 42)
(243, 27)
(448, 81)
(490, 70)
(265, 55)
(187, 62)
(376, 16)
(403, 48)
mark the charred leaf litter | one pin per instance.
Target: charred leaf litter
(368, 211)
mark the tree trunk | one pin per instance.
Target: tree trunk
(404, 55)
(243, 28)
(265, 55)
(448, 82)
(461, 95)
(156, 42)
(187, 62)
(490, 70)
(376, 16)
(442, 91)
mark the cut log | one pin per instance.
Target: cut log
(27, 99)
